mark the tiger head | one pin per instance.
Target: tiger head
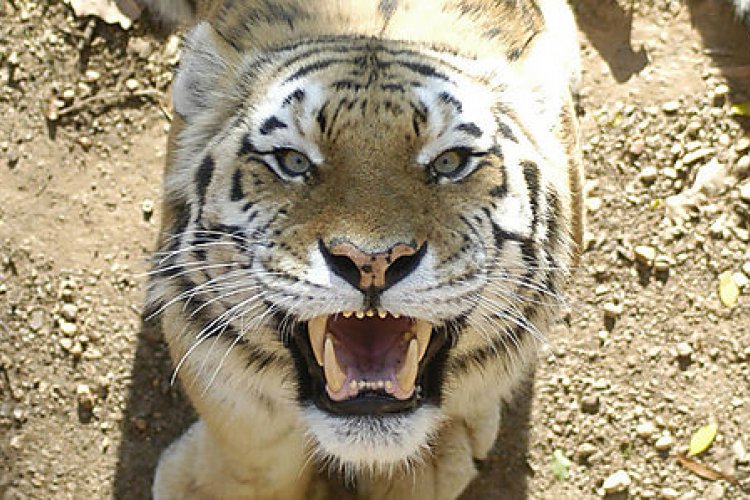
(366, 233)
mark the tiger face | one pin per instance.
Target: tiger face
(367, 235)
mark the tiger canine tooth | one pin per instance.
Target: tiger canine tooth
(408, 373)
(316, 328)
(335, 377)
(423, 331)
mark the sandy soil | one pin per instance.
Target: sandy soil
(646, 352)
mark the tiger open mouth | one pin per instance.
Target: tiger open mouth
(370, 362)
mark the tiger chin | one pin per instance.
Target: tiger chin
(369, 210)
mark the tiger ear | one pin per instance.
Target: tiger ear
(207, 60)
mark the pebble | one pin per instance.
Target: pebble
(669, 493)
(612, 310)
(648, 175)
(745, 191)
(670, 107)
(664, 443)
(584, 451)
(66, 343)
(636, 148)
(740, 454)
(91, 75)
(67, 328)
(684, 350)
(715, 492)
(742, 167)
(645, 430)
(36, 321)
(662, 264)
(69, 312)
(132, 84)
(696, 155)
(645, 254)
(616, 483)
(593, 204)
(84, 397)
(590, 404)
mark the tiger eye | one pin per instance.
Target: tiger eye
(449, 162)
(293, 162)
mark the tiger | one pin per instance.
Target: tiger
(370, 210)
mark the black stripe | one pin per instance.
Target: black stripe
(271, 124)
(237, 193)
(423, 69)
(470, 128)
(203, 177)
(316, 66)
(531, 175)
(504, 130)
(450, 99)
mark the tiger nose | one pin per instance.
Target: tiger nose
(373, 271)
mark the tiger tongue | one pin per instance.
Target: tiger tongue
(345, 381)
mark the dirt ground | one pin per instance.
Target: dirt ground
(646, 352)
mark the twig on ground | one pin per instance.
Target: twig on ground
(110, 99)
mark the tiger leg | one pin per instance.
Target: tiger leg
(228, 463)
(441, 474)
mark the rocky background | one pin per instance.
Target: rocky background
(654, 342)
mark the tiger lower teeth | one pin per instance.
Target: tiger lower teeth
(336, 376)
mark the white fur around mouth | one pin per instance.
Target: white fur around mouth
(369, 351)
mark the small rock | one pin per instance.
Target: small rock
(67, 328)
(590, 404)
(593, 204)
(662, 264)
(147, 208)
(664, 443)
(715, 492)
(132, 84)
(670, 107)
(745, 191)
(91, 75)
(636, 148)
(740, 454)
(66, 343)
(648, 175)
(696, 155)
(69, 312)
(742, 167)
(645, 430)
(645, 254)
(584, 451)
(669, 493)
(36, 321)
(616, 483)
(612, 310)
(684, 350)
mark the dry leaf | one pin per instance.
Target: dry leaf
(703, 470)
(560, 465)
(702, 439)
(729, 292)
(110, 11)
(741, 109)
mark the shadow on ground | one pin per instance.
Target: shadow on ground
(156, 414)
